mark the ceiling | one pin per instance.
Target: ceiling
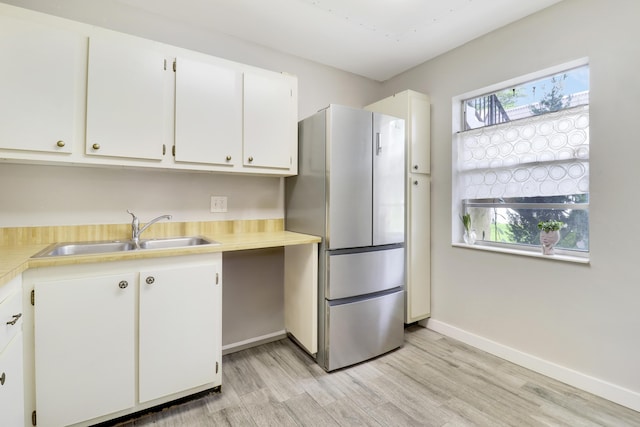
(377, 39)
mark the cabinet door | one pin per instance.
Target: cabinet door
(84, 348)
(418, 249)
(208, 113)
(125, 98)
(270, 120)
(12, 384)
(420, 136)
(40, 68)
(180, 329)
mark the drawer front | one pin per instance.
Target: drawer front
(10, 318)
(363, 329)
(361, 273)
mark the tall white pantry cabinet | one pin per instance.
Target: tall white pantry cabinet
(414, 108)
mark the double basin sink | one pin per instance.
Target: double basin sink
(92, 248)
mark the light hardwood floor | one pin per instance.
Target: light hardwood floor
(431, 381)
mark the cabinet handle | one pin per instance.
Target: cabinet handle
(96, 146)
(250, 159)
(3, 378)
(15, 319)
(123, 284)
(228, 158)
(415, 167)
(150, 280)
(60, 143)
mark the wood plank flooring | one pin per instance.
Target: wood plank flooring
(431, 381)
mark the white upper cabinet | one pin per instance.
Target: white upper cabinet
(78, 94)
(125, 98)
(270, 121)
(208, 113)
(38, 86)
(420, 112)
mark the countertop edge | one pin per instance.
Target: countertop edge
(15, 264)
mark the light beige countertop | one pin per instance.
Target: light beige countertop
(16, 258)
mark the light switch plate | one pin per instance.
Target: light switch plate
(218, 204)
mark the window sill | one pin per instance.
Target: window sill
(557, 257)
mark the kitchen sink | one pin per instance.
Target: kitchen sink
(175, 242)
(92, 248)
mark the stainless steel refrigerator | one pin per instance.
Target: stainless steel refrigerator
(350, 191)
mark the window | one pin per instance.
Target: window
(521, 155)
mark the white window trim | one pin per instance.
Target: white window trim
(524, 252)
(457, 126)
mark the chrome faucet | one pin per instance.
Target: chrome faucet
(136, 231)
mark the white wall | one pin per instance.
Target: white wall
(61, 195)
(578, 323)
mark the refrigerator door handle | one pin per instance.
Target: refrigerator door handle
(378, 144)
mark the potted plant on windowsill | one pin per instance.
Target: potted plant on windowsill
(549, 235)
(469, 235)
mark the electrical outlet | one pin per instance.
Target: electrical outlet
(218, 204)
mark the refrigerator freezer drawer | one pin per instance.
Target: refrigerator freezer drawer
(359, 273)
(366, 328)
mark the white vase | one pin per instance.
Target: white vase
(469, 237)
(549, 239)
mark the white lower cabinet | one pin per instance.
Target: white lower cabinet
(11, 355)
(84, 348)
(11, 384)
(114, 338)
(178, 318)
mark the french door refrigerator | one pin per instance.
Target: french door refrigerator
(350, 191)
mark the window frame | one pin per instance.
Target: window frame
(459, 205)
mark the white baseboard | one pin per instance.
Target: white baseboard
(253, 342)
(612, 392)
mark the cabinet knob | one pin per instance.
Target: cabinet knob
(415, 182)
(415, 167)
(60, 143)
(15, 319)
(228, 158)
(96, 146)
(3, 378)
(250, 159)
(123, 284)
(150, 280)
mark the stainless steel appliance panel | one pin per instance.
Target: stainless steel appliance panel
(363, 329)
(349, 177)
(351, 274)
(388, 179)
(305, 204)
